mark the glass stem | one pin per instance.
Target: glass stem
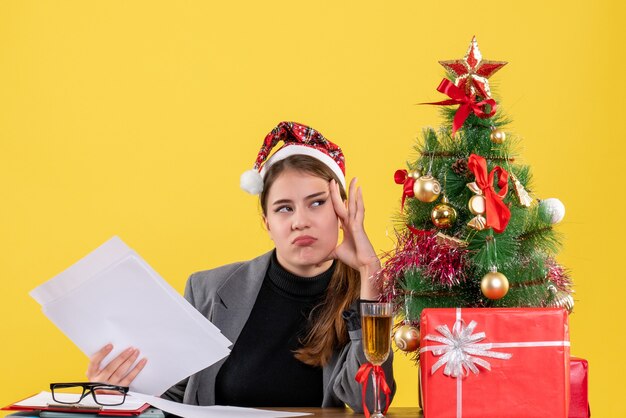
(376, 395)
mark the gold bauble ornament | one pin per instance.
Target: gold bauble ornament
(497, 136)
(426, 189)
(415, 174)
(561, 299)
(443, 215)
(407, 338)
(494, 285)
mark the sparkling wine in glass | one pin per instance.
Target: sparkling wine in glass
(376, 320)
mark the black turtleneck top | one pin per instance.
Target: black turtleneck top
(261, 369)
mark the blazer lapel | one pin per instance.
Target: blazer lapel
(238, 295)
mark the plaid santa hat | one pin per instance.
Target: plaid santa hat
(297, 139)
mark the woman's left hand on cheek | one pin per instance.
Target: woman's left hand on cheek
(355, 250)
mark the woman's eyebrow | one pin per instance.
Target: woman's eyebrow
(288, 201)
(282, 201)
(314, 195)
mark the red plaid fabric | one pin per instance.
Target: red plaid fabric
(292, 133)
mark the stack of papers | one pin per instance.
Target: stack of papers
(136, 403)
(113, 296)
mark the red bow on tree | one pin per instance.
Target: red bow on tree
(402, 177)
(362, 376)
(497, 213)
(468, 104)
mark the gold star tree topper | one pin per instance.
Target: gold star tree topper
(471, 72)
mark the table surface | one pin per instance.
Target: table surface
(397, 412)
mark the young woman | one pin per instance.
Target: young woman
(292, 313)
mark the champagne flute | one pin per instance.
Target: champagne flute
(376, 331)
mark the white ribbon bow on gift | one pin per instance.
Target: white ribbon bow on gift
(460, 348)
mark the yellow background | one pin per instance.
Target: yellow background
(136, 118)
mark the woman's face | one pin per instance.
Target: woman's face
(302, 222)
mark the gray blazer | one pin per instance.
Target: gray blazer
(226, 295)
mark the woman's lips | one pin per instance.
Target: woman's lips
(304, 241)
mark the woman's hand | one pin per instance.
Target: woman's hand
(355, 250)
(118, 371)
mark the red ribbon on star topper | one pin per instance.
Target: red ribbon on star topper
(467, 104)
(497, 213)
(402, 177)
(362, 376)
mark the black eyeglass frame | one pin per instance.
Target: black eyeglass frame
(89, 388)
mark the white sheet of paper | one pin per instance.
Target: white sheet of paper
(113, 296)
(194, 411)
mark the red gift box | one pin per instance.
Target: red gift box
(579, 401)
(498, 362)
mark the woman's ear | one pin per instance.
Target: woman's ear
(267, 227)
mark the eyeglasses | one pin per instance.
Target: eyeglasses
(73, 393)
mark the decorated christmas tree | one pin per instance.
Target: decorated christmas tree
(471, 232)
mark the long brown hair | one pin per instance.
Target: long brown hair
(327, 328)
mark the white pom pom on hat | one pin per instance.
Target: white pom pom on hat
(251, 181)
(298, 139)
